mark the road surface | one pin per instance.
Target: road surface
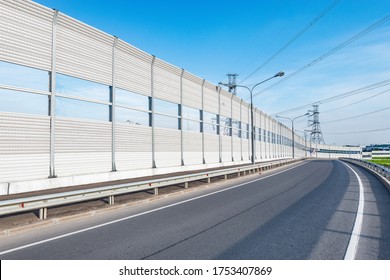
(316, 209)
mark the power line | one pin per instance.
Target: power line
(359, 101)
(358, 116)
(293, 39)
(339, 96)
(329, 53)
(356, 132)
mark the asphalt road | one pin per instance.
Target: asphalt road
(303, 212)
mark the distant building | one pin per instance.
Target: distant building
(375, 151)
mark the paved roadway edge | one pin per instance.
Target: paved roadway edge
(350, 254)
(146, 212)
(385, 181)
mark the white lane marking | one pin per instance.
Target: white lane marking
(357, 228)
(141, 214)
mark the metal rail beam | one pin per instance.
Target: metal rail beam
(42, 202)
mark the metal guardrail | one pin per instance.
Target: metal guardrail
(379, 169)
(42, 202)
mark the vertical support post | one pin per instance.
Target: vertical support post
(262, 144)
(52, 100)
(279, 142)
(202, 116)
(208, 180)
(181, 118)
(268, 138)
(231, 128)
(219, 125)
(43, 213)
(252, 134)
(226, 176)
(305, 134)
(113, 104)
(155, 191)
(260, 128)
(293, 139)
(111, 200)
(242, 158)
(151, 119)
(186, 185)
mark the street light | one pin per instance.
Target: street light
(292, 130)
(279, 74)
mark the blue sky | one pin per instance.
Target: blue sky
(212, 38)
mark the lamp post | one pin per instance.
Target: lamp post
(279, 74)
(292, 130)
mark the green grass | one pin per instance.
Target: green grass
(382, 161)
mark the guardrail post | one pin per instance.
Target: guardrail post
(226, 176)
(43, 213)
(208, 180)
(186, 185)
(111, 200)
(155, 191)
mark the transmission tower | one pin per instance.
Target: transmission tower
(316, 134)
(232, 82)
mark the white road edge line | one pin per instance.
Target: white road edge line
(357, 228)
(141, 214)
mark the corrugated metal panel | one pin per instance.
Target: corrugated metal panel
(83, 52)
(167, 145)
(211, 148)
(210, 98)
(268, 128)
(24, 147)
(226, 104)
(166, 81)
(236, 149)
(236, 108)
(26, 33)
(256, 119)
(82, 147)
(262, 143)
(258, 151)
(246, 149)
(273, 125)
(262, 123)
(133, 69)
(24, 134)
(192, 91)
(133, 145)
(226, 148)
(245, 110)
(22, 167)
(274, 146)
(192, 148)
